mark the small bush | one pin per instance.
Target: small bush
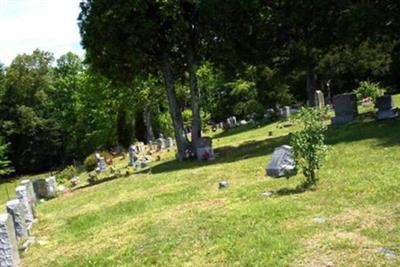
(309, 143)
(369, 89)
(67, 174)
(90, 162)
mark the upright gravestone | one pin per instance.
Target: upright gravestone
(132, 155)
(45, 188)
(101, 163)
(345, 108)
(169, 142)
(31, 193)
(22, 195)
(319, 99)
(9, 256)
(161, 143)
(204, 150)
(16, 210)
(282, 162)
(385, 108)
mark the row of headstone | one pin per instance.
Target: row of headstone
(16, 224)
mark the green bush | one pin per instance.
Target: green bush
(67, 174)
(309, 143)
(369, 89)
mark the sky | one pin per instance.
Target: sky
(50, 25)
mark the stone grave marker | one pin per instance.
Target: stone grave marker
(31, 193)
(9, 255)
(346, 109)
(204, 150)
(132, 155)
(45, 188)
(160, 143)
(101, 163)
(22, 195)
(15, 209)
(282, 162)
(385, 108)
(169, 142)
(319, 99)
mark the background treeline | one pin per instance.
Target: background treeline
(250, 56)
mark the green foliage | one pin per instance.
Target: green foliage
(90, 163)
(309, 143)
(67, 174)
(369, 89)
(5, 164)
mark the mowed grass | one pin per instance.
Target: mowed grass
(175, 215)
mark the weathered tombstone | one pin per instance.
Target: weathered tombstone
(346, 109)
(45, 188)
(160, 143)
(22, 195)
(282, 162)
(9, 255)
(385, 108)
(169, 142)
(15, 209)
(101, 163)
(319, 99)
(132, 155)
(31, 193)
(204, 150)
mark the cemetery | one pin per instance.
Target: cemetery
(199, 133)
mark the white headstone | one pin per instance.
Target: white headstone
(9, 256)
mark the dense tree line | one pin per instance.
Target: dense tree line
(159, 66)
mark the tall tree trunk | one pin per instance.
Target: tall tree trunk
(147, 123)
(311, 86)
(174, 109)
(195, 99)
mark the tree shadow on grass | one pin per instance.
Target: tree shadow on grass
(225, 154)
(239, 129)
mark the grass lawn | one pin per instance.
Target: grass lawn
(174, 214)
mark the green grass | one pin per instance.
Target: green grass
(174, 214)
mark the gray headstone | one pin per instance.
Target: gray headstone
(101, 163)
(169, 142)
(9, 256)
(282, 162)
(31, 193)
(15, 209)
(319, 99)
(132, 155)
(204, 150)
(385, 108)
(160, 143)
(346, 109)
(45, 188)
(22, 196)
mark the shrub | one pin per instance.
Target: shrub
(90, 162)
(67, 174)
(309, 143)
(369, 89)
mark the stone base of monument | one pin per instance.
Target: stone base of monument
(387, 114)
(343, 119)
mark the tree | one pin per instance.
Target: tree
(124, 39)
(5, 164)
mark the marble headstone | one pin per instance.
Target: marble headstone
(204, 150)
(169, 142)
(101, 163)
(15, 209)
(346, 109)
(9, 255)
(22, 195)
(160, 143)
(282, 162)
(385, 108)
(132, 155)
